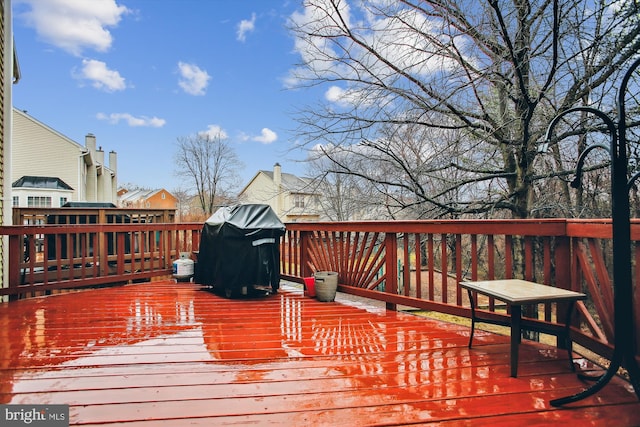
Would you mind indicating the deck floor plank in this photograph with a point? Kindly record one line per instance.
(167, 354)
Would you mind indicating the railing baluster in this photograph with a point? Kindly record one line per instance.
(444, 269)
(418, 263)
(431, 262)
(406, 271)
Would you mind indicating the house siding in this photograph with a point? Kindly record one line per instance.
(262, 190)
(158, 202)
(3, 84)
(148, 199)
(35, 146)
(2, 107)
(39, 150)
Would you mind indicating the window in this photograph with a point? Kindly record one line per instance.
(63, 200)
(298, 201)
(39, 202)
(16, 201)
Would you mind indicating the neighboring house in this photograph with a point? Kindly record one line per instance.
(291, 197)
(40, 192)
(147, 199)
(40, 151)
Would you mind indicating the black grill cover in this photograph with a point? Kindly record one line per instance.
(240, 246)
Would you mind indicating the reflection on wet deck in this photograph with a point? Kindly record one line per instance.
(173, 354)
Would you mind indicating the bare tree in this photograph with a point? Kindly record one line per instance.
(183, 198)
(342, 197)
(130, 186)
(407, 170)
(449, 100)
(210, 166)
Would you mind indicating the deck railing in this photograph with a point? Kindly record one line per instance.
(47, 258)
(403, 263)
(41, 216)
(420, 263)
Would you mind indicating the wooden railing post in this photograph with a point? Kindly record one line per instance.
(564, 272)
(16, 252)
(120, 251)
(17, 216)
(304, 254)
(103, 252)
(391, 266)
(564, 263)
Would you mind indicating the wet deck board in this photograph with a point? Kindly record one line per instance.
(170, 354)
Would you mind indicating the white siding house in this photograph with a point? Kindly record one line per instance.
(40, 192)
(292, 198)
(40, 151)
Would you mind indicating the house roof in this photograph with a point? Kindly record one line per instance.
(89, 205)
(290, 182)
(133, 195)
(46, 182)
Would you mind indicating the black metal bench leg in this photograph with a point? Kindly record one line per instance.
(473, 316)
(516, 335)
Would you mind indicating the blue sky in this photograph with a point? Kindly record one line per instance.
(139, 74)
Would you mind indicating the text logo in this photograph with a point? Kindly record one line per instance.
(34, 415)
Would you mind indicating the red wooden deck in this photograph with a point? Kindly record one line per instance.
(174, 355)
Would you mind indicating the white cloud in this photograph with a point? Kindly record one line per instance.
(142, 121)
(100, 76)
(336, 94)
(348, 97)
(214, 132)
(75, 25)
(267, 136)
(193, 80)
(245, 27)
